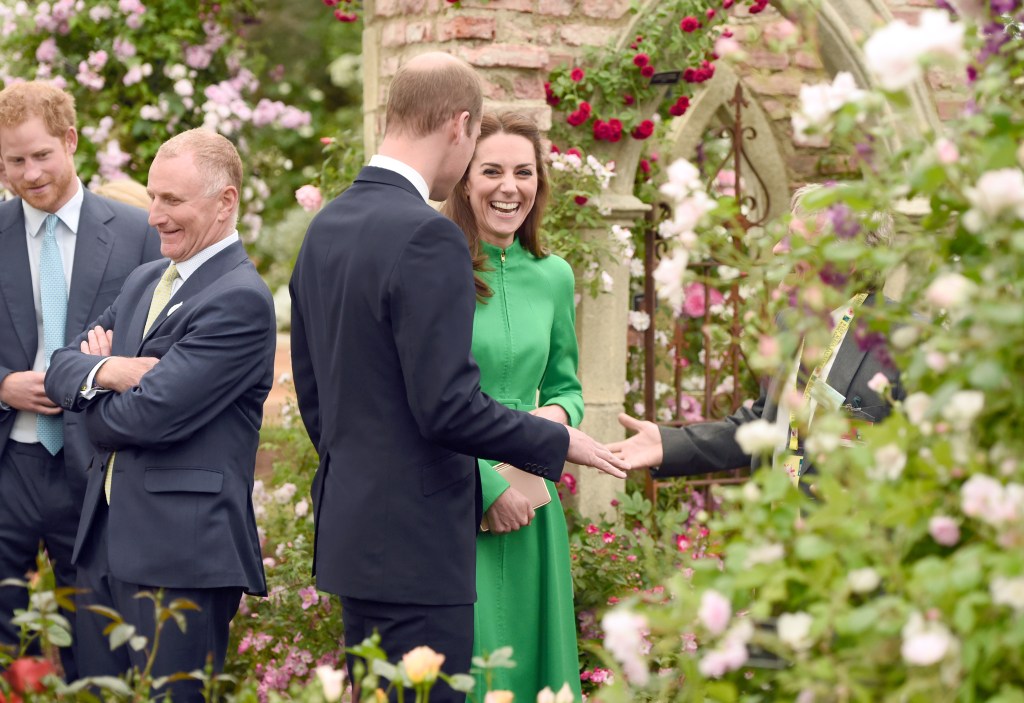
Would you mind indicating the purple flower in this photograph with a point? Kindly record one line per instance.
(844, 222)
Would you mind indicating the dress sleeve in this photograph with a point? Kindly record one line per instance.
(560, 384)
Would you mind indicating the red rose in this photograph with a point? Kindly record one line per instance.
(628, 99)
(585, 108)
(581, 200)
(647, 71)
(726, 4)
(727, 33)
(690, 23)
(25, 674)
(345, 17)
(616, 129)
(601, 130)
(576, 74)
(680, 107)
(710, 13)
(330, 3)
(549, 96)
(758, 6)
(641, 60)
(576, 118)
(645, 166)
(555, 149)
(643, 130)
(639, 38)
(575, 152)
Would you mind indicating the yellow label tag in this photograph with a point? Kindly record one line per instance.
(793, 464)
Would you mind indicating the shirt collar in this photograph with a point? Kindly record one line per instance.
(189, 266)
(69, 214)
(404, 170)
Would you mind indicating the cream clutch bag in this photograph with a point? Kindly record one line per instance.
(532, 486)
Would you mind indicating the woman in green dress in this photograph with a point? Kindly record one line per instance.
(524, 340)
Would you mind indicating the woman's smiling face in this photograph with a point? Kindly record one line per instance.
(502, 186)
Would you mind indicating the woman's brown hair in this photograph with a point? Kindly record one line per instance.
(457, 206)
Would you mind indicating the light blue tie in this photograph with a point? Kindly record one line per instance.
(53, 294)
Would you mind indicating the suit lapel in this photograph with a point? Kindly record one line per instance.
(92, 249)
(16, 281)
(207, 274)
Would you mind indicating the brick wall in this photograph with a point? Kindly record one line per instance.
(515, 43)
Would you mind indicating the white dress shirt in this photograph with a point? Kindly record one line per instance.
(405, 170)
(66, 232)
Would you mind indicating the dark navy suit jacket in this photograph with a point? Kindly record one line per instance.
(382, 323)
(113, 240)
(181, 511)
(707, 447)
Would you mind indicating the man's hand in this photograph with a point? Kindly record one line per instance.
(99, 342)
(511, 511)
(586, 451)
(23, 390)
(121, 373)
(642, 450)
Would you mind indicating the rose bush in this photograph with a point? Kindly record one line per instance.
(902, 578)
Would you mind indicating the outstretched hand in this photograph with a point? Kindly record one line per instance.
(586, 451)
(642, 450)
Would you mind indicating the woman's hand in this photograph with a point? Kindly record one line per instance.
(511, 511)
(555, 413)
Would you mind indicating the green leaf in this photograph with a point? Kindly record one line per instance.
(812, 548)
(121, 634)
(463, 683)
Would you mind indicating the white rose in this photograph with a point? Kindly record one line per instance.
(925, 643)
(863, 580)
(668, 277)
(795, 630)
(890, 461)
(963, 408)
(950, 291)
(1008, 591)
(764, 554)
(997, 192)
(915, 406)
(332, 681)
(759, 437)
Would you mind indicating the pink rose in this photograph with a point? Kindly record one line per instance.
(944, 530)
(309, 198)
(946, 151)
(714, 611)
(693, 303)
(878, 383)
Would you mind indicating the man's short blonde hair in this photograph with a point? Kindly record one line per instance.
(421, 99)
(882, 229)
(215, 156)
(20, 102)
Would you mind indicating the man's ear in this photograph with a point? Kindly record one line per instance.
(228, 203)
(71, 140)
(463, 124)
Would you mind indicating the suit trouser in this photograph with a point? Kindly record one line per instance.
(447, 629)
(39, 502)
(205, 638)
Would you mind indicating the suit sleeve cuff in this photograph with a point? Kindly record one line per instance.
(89, 389)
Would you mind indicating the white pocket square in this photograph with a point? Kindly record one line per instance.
(173, 308)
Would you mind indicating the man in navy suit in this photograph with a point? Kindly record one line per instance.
(382, 320)
(96, 242)
(170, 383)
(709, 447)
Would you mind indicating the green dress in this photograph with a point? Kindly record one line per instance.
(524, 340)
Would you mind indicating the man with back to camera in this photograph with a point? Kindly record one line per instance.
(64, 253)
(382, 318)
(709, 447)
(170, 383)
